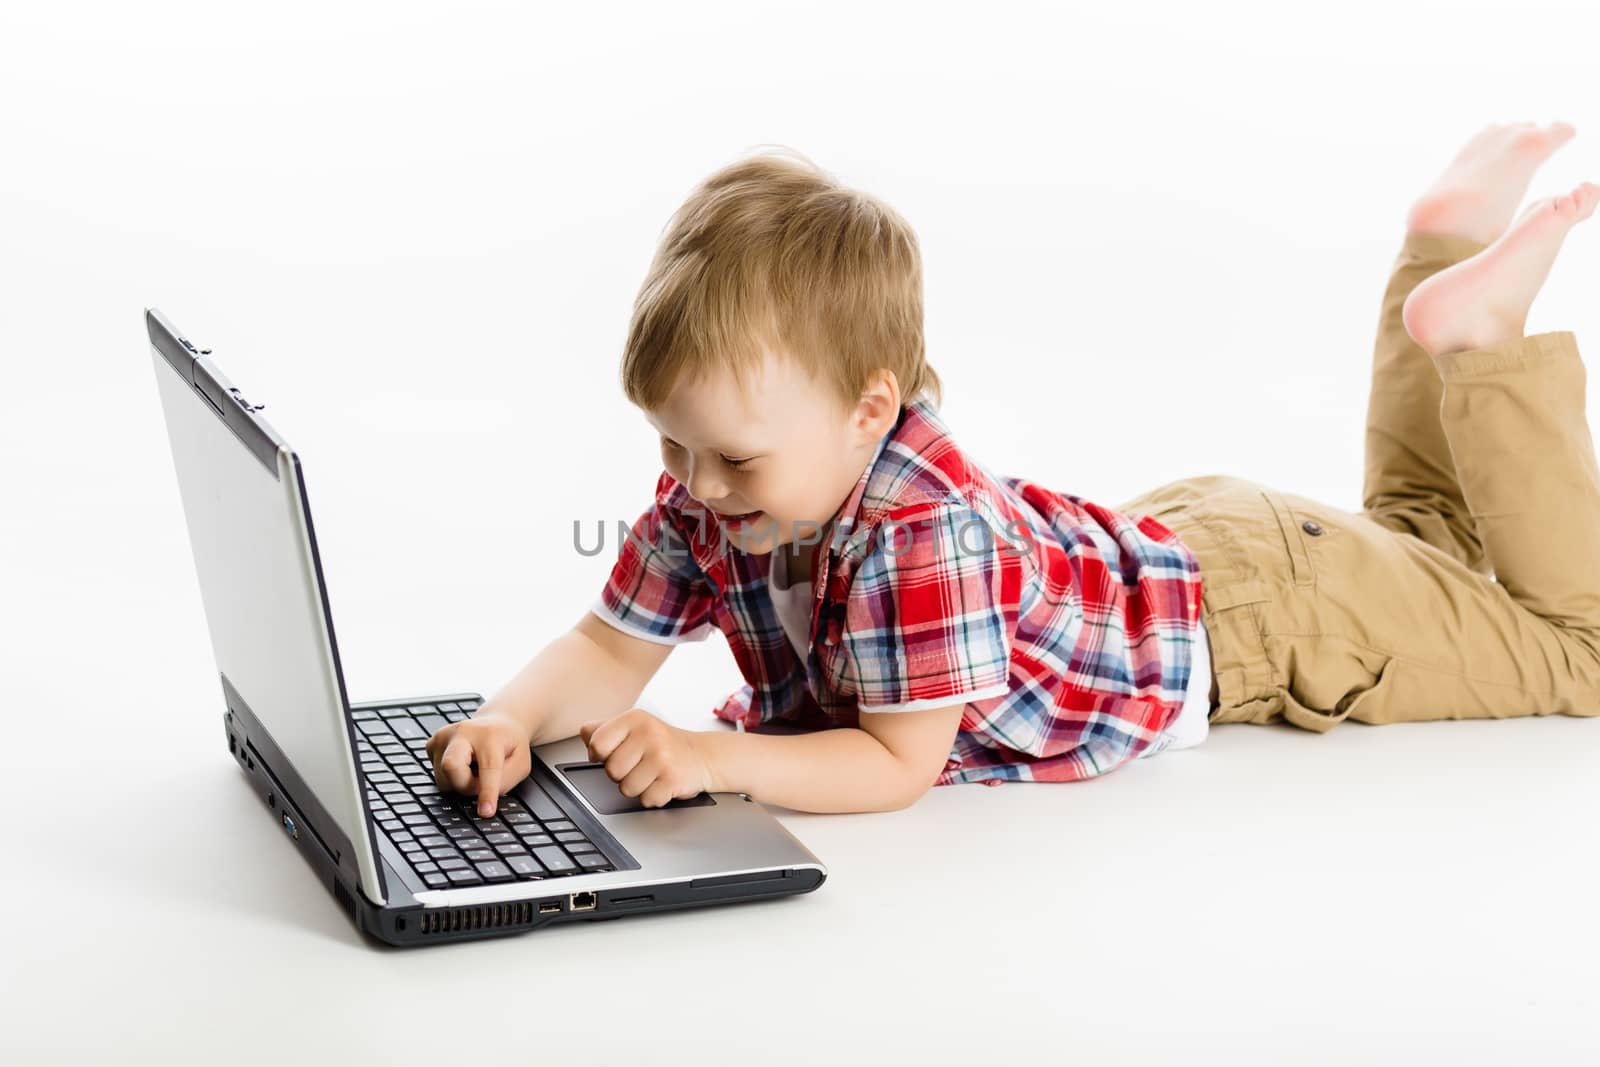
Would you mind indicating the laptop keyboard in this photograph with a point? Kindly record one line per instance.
(441, 833)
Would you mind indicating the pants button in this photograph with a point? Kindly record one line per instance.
(1312, 527)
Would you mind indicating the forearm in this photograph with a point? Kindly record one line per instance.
(571, 681)
(839, 770)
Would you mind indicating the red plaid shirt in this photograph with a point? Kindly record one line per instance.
(1067, 628)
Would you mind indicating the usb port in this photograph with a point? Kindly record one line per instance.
(549, 906)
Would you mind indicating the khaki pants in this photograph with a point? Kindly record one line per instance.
(1467, 588)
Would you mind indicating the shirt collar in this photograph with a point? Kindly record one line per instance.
(849, 516)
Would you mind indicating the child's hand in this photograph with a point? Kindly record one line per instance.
(650, 759)
(499, 744)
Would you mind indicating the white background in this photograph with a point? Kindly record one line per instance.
(1154, 239)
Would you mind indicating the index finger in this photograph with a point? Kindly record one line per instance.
(605, 736)
(490, 760)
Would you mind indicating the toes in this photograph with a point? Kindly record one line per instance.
(1584, 198)
(1576, 205)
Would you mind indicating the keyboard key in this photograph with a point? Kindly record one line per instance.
(462, 833)
(465, 877)
(443, 852)
(559, 824)
(537, 839)
(417, 819)
(516, 818)
(524, 865)
(455, 716)
(468, 705)
(360, 716)
(407, 809)
(373, 727)
(452, 863)
(408, 729)
(390, 713)
(449, 707)
(424, 868)
(591, 859)
(540, 804)
(436, 880)
(421, 709)
(569, 835)
(510, 850)
(500, 838)
(495, 871)
(432, 723)
(554, 859)
(433, 841)
(477, 855)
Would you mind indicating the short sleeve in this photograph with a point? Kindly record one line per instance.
(656, 591)
(926, 623)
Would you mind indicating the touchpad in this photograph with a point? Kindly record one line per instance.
(607, 797)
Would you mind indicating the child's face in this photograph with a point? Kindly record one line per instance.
(796, 452)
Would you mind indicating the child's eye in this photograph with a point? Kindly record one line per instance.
(736, 464)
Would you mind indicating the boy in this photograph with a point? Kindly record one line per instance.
(923, 622)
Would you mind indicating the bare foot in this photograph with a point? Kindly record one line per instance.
(1484, 299)
(1481, 188)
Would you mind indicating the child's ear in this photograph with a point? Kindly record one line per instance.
(879, 404)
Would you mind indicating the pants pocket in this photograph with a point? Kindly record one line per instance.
(1295, 529)
(1322, 720)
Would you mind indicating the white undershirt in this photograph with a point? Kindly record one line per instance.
(793, 605)
(1194, 718)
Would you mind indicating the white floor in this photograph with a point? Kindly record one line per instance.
(1419, 893)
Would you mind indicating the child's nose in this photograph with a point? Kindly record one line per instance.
(704, 485)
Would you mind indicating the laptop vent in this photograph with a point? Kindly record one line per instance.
(481, 917)
(342, 895)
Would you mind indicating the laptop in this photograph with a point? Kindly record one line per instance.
(351, 785)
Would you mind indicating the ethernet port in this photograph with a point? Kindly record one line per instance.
(581, 902)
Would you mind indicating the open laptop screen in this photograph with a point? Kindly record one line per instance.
(259, 582)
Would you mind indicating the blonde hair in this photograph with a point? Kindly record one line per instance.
(772, 249)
